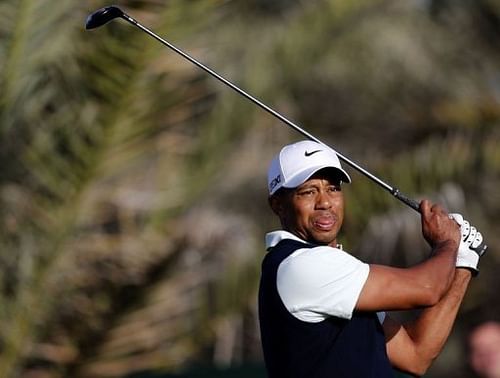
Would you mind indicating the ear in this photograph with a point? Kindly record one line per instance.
(276, 204)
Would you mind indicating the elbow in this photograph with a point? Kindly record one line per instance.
(418, 371)
(422, 368)
(419, 367)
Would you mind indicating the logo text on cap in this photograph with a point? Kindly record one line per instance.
(275, 182)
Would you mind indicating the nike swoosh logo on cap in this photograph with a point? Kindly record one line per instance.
(307, 154)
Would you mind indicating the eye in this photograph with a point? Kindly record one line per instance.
(307, 192)
(334, 188)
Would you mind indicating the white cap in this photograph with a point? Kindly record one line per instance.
(297, 162)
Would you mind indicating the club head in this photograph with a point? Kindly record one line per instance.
(103, 16)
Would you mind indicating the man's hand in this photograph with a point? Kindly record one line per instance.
(468, 251)
(437, 227)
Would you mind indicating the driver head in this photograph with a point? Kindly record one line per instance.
(103, 16)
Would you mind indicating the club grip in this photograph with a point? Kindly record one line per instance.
(406, 200)
(480, 249)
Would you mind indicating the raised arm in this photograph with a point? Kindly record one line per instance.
(412, 347)
(422, 285)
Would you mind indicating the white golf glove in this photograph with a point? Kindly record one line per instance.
(468, 251)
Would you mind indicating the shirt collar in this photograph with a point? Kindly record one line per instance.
(273, 238)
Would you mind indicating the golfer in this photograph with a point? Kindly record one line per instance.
(321, 310)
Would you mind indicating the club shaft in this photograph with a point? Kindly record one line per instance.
(394, 191)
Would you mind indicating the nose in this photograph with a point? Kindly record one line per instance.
(323, 200)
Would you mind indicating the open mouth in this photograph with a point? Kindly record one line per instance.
(324, 222)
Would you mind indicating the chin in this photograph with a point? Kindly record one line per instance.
(322, 239)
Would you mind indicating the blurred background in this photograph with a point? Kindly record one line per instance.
(133, 199)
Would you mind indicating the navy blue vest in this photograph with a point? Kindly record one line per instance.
(332, 348)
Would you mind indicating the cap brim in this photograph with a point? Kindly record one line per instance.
(304, 175)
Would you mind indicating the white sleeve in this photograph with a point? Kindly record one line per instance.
(320, 282)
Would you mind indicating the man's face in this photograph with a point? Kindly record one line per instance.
(484, 344)
(314, 211)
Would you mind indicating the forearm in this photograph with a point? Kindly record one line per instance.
(437, 273)
(431, 329)
(422, 285)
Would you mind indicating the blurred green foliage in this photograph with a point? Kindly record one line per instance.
(132, 187)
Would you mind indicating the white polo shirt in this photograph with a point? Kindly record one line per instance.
(319, 282)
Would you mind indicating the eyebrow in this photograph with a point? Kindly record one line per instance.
(307, 186)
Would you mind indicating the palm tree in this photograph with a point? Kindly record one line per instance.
(80, 112)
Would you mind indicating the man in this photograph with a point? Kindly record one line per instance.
(321, 310)
(484, 349)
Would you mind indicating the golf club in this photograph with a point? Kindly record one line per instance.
(104, 15)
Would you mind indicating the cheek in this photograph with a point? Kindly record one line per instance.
(338, 204)
(300, 211)
(341, 209)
